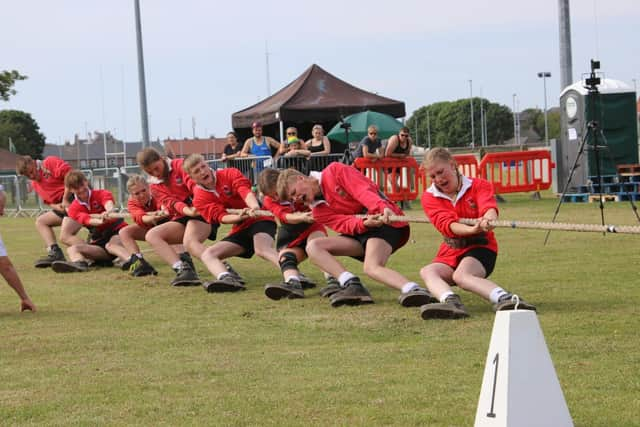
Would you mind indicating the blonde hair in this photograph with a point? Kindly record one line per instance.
(191, 161)
(372, 127)
(22, 164)
(437, 154)
(286, 178)
(74, 179)
(135, 180)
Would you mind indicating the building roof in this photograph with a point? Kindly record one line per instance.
(184, 147)
(95, 150)
(315, 96)
(7, 161)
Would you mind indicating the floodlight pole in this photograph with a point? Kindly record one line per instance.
(543, 75)
(144, 121)
(473, 143)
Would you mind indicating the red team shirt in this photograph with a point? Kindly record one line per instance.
(280, 211)
(346, 192)
(231, 189)
(81, 212)
(138, 210)
(476, 197)
(175, 192)
(49, 182)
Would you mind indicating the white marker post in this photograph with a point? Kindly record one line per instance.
(520, 387)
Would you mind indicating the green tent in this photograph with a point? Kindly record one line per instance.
(387, 126)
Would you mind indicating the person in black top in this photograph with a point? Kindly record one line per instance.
(231, 150)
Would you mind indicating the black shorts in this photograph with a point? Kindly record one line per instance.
(486, 256)
(214, 227)
(288, 233)
(395, 237)
(61, 215)
(101, 238)
(244, 237)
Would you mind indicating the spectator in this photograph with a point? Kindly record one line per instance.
(232, 149)
(399, 146)
(259, 145)
(8, 271)
(293, 147)
(370, 146)
(319, 145)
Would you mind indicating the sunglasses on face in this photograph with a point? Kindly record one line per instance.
(373, 133)
(404, 135)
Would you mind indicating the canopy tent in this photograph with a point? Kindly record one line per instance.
(315, 97)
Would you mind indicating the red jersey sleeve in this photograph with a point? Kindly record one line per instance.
(208, 205)
(79, 213)
(279, 211)
(363, 190)
(58, 167)
(239, 183)
(440, 212)
(346, 224)
(136, 211)
(166, 199)
(485, 196)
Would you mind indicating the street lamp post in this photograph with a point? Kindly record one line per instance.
(473, 142)
(516, 124)
(543, 75)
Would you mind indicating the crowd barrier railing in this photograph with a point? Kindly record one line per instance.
(396, 178)
(518, 171)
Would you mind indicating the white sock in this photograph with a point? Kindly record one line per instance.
(176, 265)
(139, 255)
(344, 277)
(224, 273)
(409, 286)
(496, 293)
(446, 295)
(293, 277)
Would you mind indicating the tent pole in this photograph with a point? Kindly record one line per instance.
(281, 131)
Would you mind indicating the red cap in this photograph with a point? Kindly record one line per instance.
(256, 125)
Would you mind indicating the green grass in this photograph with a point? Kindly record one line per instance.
(106, 348)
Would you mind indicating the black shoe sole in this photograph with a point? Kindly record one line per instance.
(213, 287)
(439, 311)
(42, 264)
(416, 300)
(185, 283)
(276, 292)
(63, 267)
(351, 300)
(145, 273)
(324, 292)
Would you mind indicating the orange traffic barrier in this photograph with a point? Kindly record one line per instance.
(517, 171)
(396, 178)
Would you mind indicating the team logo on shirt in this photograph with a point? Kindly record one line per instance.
(472, 204)
(178, 180)
(340, 192)
(227, 191)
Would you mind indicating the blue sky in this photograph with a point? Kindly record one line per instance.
(207, 60)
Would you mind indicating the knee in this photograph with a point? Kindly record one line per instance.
(313, 247)
(370, 269)
(461, 279)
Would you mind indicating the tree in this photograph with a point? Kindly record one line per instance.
(24, 133)
(450, 123)
(553, 123)
(7, 80)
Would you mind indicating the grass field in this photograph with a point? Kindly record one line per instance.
(106, 348)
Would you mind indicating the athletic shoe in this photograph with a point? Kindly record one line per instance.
(233, 272)
(332, 287)
(227, 284)
(185, 276)
(291, 289)
(186, 257)
(142, 268)
(416, 298)
(451, 308)
(305, 282)
(70, 266)
(505, 303)
(54, 254)
(354, 293)
(126, 266)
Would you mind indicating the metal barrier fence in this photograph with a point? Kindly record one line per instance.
(23, 201)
